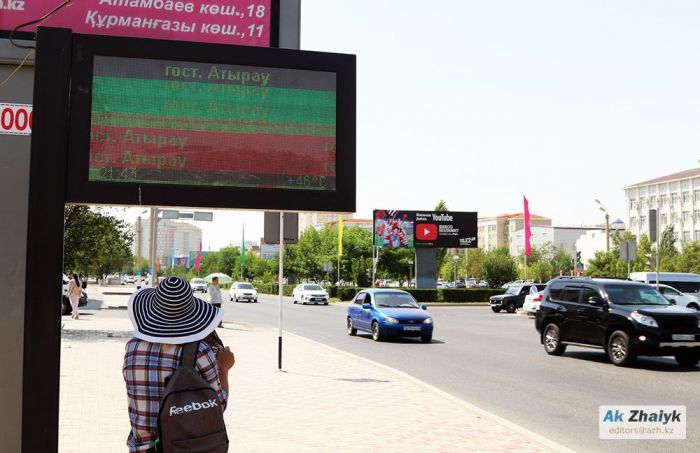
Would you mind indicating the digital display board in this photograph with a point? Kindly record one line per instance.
(405, 229)
(188, 123)
(240, 22)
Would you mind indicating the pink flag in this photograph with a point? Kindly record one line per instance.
(198, 261)
(528, 233)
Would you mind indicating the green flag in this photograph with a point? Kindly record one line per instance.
(243, 257)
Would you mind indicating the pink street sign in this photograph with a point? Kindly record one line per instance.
(241, 22)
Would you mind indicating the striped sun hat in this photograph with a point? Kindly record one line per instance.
(170, 313)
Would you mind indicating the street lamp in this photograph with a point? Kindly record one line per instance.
(607, 224)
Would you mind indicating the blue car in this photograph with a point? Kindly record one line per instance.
(389, 313)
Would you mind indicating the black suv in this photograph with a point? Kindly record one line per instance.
(514, 297)
(625, 318)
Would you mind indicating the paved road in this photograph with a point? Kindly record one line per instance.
(496, 362)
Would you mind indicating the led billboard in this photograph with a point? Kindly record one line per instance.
(430, 229)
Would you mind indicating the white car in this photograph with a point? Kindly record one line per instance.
(198, 285)
(243, 291)
(679, 298)
(532, 302)
(310, 293)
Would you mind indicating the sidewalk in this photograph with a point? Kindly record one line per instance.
(327, 400)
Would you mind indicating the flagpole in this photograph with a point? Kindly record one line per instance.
(280, 284)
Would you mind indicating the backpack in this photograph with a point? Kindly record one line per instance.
(191, 418)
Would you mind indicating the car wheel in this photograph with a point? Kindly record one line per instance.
(496, 309)
(426, 338)
(325, 303)
(511, 307)
(65, 307)
(295, 300)
(693, 306)
(351, 330)
(552, 340)
(688, 359)
(376, 331)
(620, 349)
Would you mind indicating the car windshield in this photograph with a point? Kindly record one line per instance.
(635, 295)
(513, 289)
(395, 300)
(197, 281)
(245, 286)
(312, 288)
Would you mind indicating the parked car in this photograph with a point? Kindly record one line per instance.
(459, 284)
(626, 319)
(678, 298)
(532, 302)
(514, 297)
(389, 313)
(482, 284)
(243, 291)
(310, 293)
(66, 308)
(198, 285)
(472, 282)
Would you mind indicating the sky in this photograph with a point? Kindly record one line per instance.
(480, 103)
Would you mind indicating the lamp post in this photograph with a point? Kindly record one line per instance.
(410, 272)
(607, 224)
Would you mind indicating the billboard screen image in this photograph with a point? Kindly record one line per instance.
(393, 229)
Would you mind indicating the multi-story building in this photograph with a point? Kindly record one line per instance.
(494, 232)
(175, 240)
(565, 237)
(318, 219)
(677, 198)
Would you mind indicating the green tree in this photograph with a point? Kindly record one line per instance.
(499, 267)
(689, 258)
(95, 243)
(607, 264)
(475, 262)
(441, 206)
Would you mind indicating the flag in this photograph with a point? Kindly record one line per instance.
(198, 261)
(243, 257)
(340, 235)
(528, 233)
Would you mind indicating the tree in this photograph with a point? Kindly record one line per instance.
(689, 258)
(499, 267)
(607, 264)
(475, 262)
(95, 243)
(441, 206)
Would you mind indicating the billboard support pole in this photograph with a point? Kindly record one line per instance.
(280, 284)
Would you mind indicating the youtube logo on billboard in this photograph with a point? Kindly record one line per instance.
(426, 232)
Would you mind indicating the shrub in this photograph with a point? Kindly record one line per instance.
(468, 295)
(424, 295)
(346, 293)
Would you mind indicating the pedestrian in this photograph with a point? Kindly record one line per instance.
(74, 295)
(215, 295)
(165, 318)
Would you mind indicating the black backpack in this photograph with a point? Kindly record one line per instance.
(191, 418)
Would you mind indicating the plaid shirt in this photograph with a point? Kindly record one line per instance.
(146, 365)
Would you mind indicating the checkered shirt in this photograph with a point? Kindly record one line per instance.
(146, 365)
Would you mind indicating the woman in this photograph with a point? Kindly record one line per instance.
(74, 294)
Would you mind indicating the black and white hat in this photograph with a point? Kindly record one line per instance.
(169, 313)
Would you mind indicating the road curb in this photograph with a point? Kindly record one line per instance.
(547, 443)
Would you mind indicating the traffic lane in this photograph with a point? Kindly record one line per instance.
(513, 374)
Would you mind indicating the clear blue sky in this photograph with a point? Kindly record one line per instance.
(481, 102)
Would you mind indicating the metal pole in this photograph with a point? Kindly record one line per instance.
(139, 240)
(607, 231)
(658, 249)
(154, 226)
(281, 294)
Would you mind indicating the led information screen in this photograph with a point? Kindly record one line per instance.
(406, 229)
(204, 124)
(241, 22)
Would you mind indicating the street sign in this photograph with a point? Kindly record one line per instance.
(628, 250)
(327, 267)
(272, 228)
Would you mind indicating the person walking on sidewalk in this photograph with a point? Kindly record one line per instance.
(165, 318)
(74, 295)
(215, 295)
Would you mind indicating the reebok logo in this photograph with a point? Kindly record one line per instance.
(193, 406)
